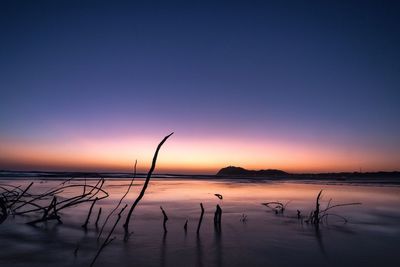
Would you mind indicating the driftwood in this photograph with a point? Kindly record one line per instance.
(95, 190)
(153, 165)
(276, 206)
(219, 196)
(50, 213)
(217, 218)
(201, 218)
(20, 195)
(108, 239)
(120, 201)
(90, 213)
(73, 201)
(165, 220)
(316, 216)
(3, 209)
(58, 218)
(17, 201)
(98, 218)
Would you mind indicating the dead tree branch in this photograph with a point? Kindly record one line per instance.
(119, 203)
(98, 218)
(201, 218)
(108, 239)
(165, 220)
(153, 165)
(89, 213)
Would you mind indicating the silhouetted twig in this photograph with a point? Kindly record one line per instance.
(20, 195)
(3, 209)
(98, 217)
(153, 165)
(52, 210)
(58, 218)
(279, 207)
(89, 213)
(219, 196)
(70, 202)
(218, 217)
(120, 201)
(165, 219)
(317, 215)
(315, 218)
(107, 241)
(201, 218)
(341, 205)
(48, 216)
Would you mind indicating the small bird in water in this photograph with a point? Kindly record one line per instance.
(218, 196)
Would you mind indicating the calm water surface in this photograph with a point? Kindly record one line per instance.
(371, 237)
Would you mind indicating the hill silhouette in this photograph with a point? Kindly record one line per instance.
(239, 171)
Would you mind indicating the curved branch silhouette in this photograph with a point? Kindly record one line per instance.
(153, 165)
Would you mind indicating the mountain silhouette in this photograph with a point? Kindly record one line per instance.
(239, 171)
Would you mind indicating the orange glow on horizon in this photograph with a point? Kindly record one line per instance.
(187, 155)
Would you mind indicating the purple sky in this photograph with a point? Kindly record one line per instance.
(299, 85)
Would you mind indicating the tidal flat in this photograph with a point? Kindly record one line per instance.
(251, 234)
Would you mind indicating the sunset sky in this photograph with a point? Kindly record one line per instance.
(301, 86)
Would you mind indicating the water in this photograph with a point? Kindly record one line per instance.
(371, 237)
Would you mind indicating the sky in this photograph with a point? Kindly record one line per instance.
(302, 86)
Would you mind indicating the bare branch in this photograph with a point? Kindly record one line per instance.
(107, 241)
(153, 165)
(201, 218)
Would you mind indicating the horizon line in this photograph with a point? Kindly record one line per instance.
(183, 174)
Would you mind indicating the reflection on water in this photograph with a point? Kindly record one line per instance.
(369, 238)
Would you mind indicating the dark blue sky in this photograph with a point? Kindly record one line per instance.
(325, 72)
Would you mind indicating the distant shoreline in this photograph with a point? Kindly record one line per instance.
(331, 175)
(371, 178)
